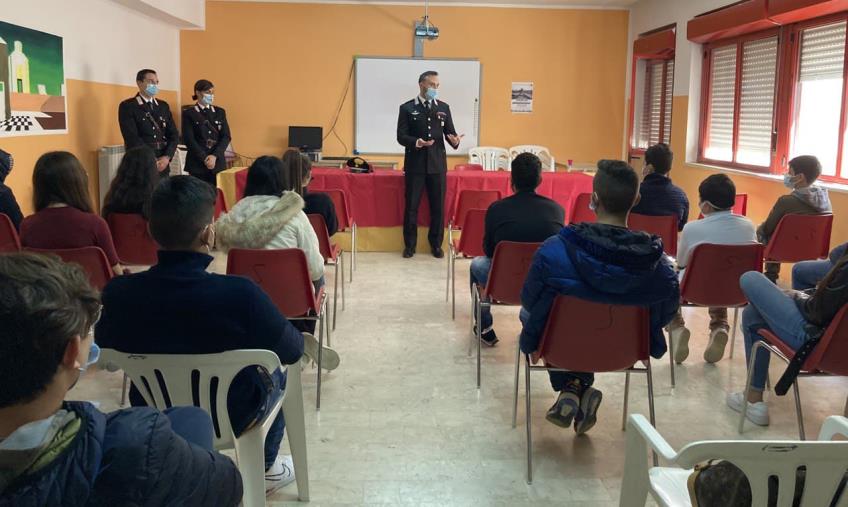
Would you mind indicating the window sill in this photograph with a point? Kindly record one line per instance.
(829, 185)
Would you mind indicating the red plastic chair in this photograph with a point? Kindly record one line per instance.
(91, 258)
(580, 211)
(333, 256)
(510, 265)
(592, 337)
(469, 244)
(346, 221)
(800, 238)
(220, 203)
(467, 200)
(663, 226)
(829, 357)
(9, 240)
(712, 277)
(468, 167)
(132, 239)
(284, 275)
(740, 206)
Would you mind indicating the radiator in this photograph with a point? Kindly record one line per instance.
(109, 158)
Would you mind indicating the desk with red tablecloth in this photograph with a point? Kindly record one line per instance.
(377, 199)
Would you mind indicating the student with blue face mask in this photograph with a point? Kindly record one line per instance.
(146, 119)
(206, 134)
(57, 452)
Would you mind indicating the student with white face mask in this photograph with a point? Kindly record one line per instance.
(206, 134)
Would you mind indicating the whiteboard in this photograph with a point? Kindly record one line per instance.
(383, 84)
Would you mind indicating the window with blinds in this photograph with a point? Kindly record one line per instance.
(669, 94)
(722, 106)
(818, 94)
(756, 102)
(653, 115)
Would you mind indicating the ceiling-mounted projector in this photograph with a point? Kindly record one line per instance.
(425, 29)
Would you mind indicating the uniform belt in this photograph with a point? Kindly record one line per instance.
(157, 145)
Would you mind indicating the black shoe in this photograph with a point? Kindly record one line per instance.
(588, 413)
(408, 252)
(438, 252)
(489, 337)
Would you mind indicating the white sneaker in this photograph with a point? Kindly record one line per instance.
(715, 348)
(280, 474)
(757, 413)
(679, 337)
(329, 359)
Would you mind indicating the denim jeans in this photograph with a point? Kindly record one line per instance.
(480, 267)
(249, 408)
(193, 424)
(769, 308)
(806, 274)
(560, 379)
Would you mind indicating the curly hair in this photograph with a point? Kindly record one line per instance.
(134, 182)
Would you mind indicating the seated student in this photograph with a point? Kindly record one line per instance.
(807, 274)
(524, 216)
(806, 198)
(719, 226)
(8, 203)
(791, 315)
(603, 262)
(55, 452)
(133, 185)
(270, 215)
(176, 307)
(63, 213)
(317, 203)
(661, 197)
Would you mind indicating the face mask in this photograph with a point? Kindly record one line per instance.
(93, 357)
(593, 206)
(431, 93)
(152, 89)
(788, 181)
(208, 98)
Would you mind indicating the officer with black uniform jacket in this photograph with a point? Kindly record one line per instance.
(424, 124)
(144, 119)
(206, 134)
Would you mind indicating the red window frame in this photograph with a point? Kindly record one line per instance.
(665, 103)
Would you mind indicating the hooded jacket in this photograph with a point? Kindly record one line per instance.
(604, 264)
(812, 200)
(268, 221)
(130, 457)
(8, 203)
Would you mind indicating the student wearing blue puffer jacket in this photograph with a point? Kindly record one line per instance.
(55, 452)
(603, 262)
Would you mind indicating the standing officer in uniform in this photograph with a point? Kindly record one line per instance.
(206, 134)
(146, 120)
(423, 126)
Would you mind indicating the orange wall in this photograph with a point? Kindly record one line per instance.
(93, 122)
(281, 64)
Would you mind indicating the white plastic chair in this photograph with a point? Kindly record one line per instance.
(161, 377)
(491, 158)
(543, 153)
(825, 461)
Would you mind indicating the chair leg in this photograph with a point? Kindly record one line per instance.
(250, 455)
(651, 402)
(296, 429)
(798, 411)
(475, 311)
(453, 286)
(744, 412)
(515, 393)
(448, 270)
(335, 293)
(352, 251)
(342, 265)
(626, 398)
(124, 391)
(479, 339)
(671, 359)
(733, 333)
(321, 331)
(527, 421)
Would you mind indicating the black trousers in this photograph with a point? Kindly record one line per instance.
(435, 185)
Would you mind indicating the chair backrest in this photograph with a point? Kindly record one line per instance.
(91, 258)
(471, 240)
(663, 226)
(509, 270)
(200, 380)
(713, 271)
(831, 353)
(472, 199)
(594, 337)
(490, 157)
(132, 239)
(320, 228)
(740, 206)
(468, 167)
(341, 203)
(800, 238)
(580, 211)
(9, 240)
(283, 274)
(542, 152)
(220, 203)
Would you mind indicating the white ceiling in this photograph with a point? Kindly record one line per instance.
(586, 4)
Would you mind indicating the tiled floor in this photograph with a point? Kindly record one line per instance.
(403, 423)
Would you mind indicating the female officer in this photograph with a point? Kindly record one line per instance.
(206, 134)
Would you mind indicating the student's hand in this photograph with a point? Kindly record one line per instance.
(210, 161)
(162, 163)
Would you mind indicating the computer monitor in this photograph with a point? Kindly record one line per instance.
(306, 138)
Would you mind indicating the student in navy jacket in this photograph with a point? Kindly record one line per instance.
(603, 262)
(8, 203)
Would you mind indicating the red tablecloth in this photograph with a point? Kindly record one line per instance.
(376, 199)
